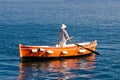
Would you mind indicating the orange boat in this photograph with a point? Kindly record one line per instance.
(52, 52)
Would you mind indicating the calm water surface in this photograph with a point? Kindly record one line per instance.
(37, 22)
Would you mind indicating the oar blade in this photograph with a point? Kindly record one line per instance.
(94, 52)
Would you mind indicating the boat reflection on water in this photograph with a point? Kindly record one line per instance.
(57, 69)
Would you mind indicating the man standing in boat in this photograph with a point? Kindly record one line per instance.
(64, 37)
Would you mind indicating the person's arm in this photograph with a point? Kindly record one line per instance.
(66, 35)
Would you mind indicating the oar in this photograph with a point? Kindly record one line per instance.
(86, 48)
(70, 38)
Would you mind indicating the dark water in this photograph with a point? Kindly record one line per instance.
(37, 22)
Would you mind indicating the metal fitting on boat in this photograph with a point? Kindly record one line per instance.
(49, 51)
(64, 52)
(42, 49)
(34, 50)
(82, 50)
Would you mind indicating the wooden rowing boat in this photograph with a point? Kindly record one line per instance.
(52, 52)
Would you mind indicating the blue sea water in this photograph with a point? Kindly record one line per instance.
(37, 22)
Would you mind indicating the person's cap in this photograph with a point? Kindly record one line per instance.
(63, 26)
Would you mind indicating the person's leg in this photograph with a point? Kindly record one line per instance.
(62, 43)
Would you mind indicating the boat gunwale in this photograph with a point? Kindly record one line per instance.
(86, 44)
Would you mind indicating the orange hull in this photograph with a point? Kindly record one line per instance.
(44, 52)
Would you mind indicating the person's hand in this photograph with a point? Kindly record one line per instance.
(68, 40)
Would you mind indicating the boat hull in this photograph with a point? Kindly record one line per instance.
(53, 52)
(35, 59)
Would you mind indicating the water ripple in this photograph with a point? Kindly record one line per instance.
(58, 69)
